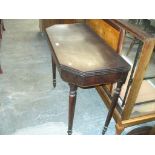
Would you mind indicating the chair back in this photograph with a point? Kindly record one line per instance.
(109, 31)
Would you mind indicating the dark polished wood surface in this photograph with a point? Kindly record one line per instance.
(84, 60)
(80, 52)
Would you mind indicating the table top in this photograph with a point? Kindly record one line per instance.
(76, 46)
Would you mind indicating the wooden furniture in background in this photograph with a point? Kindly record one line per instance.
(1, 28)
(84, 59)
(1, 31)
(126, 116)
(111, 33)
(144, 24)
(44, 23)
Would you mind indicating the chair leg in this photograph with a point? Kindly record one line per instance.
(113, 105)
(54, 72)
(139, 46)
(3, 28)
(72, 102)
(119, 129)
(131, 46)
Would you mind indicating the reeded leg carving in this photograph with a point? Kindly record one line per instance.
(113, 105)
(72, 102)
(0, 70)
(3, 26)
(54, 72)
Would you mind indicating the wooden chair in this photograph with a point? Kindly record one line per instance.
(143, 24)
(125, 116)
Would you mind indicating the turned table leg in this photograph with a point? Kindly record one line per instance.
(72, 102)
(54, 72)
(113, 105)
(0, 70)
(3, 27)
